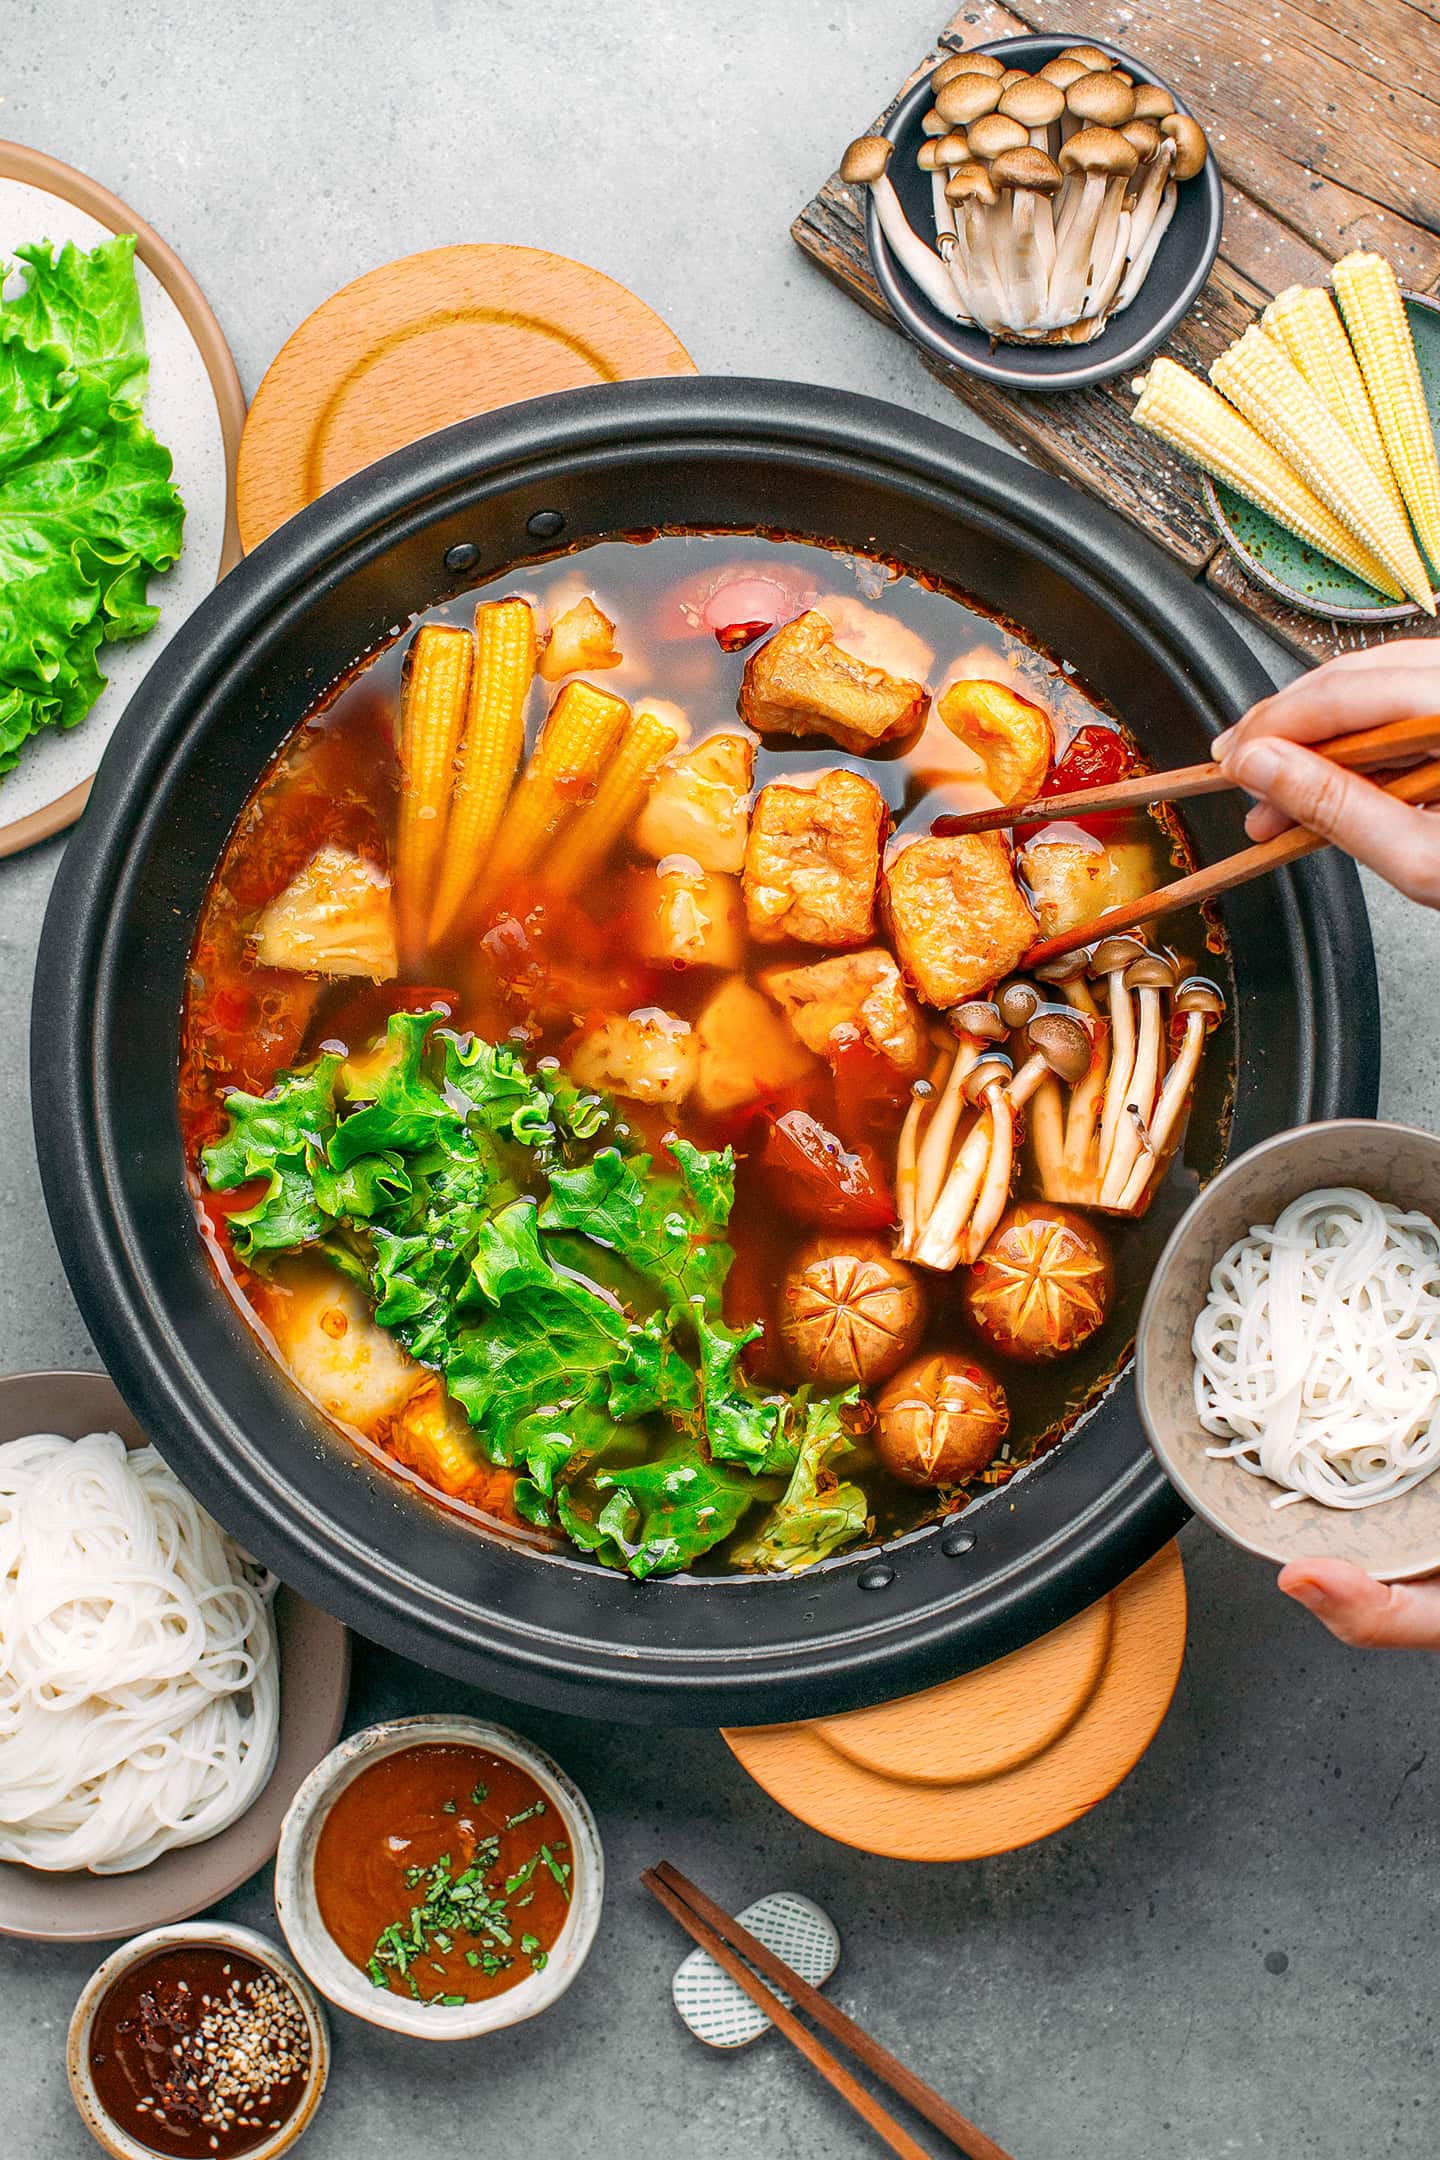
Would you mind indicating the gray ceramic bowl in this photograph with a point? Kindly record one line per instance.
(105, 2131)
(1398, 1538)
(321, 1956)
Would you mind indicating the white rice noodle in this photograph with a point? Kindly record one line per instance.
(139, 1679)
(1317, 1352)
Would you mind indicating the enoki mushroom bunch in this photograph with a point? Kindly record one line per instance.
(1104, 1077)
(1051, 192)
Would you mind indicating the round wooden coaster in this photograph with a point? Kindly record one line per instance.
(425, 341)
(1000, 1757)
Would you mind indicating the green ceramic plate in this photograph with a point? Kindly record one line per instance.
(1275, 558)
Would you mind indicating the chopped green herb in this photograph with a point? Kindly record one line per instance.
(472, 1957)
(451, 1807)
(451, 2002)
(560, 1869)
(479, 1794)
(513, 1822)
(522, 1875)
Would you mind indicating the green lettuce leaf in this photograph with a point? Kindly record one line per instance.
(817, 1514)
(87, 511)
(281, 1137)
(662, 1514)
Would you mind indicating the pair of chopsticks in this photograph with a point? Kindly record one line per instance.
(1365, 750)
(735, 1950)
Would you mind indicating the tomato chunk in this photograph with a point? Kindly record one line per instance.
(809, 1172)
(1096, 756)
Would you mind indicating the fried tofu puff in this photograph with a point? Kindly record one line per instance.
(958, 918)
(800, 682)
(853, 997)
(812, 861)
(1010, 735)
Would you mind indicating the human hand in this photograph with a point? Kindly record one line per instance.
(1362, 1612)
(1265, 755)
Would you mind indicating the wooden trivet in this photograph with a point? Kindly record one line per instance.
(1325, 116)
(425, 341)
(1000, 1757)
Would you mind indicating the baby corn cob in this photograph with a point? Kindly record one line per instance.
(585, 844)
(494, 739)
(1194, 419)
(1374, 311)
(1258, 379)
(1303, 320)
(432, 712)
(580, 731)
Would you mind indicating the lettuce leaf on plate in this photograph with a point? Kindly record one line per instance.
(87, 511)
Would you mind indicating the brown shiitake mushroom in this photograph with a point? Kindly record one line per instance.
(1042, 1285)
(940, 1421)
(849, 1311)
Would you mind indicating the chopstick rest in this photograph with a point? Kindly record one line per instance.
(794, 1928)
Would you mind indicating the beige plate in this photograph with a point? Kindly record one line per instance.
(314, 1679)
(197, 410)
(1399, 1538)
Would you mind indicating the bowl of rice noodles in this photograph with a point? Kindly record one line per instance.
(1288, 1358)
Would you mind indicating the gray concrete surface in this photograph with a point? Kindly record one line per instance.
(1234, 1955)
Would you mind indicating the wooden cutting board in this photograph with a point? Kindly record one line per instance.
(1325, 116)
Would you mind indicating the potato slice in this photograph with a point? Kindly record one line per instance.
(747, 1051)
(687, 917)
(649, 1056)
(1072, 880)
(699, 804)
(331, 1346)
(335, 917)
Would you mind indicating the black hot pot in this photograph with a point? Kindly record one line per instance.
(443, 515)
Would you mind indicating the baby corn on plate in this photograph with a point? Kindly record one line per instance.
(1306, 324)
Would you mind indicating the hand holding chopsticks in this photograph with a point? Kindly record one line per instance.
(736, 1951)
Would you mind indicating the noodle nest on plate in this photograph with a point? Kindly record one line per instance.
(1317, 1352)
(139, 1675)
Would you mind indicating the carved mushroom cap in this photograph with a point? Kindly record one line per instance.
(1063, 1040)
(1191, 148)
(940, 1421)
(866, 159)
(1042, 1285)
(967, 98)
(849, 1311)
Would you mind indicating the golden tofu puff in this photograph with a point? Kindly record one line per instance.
(335, 917)
(350, 1368)
(1010, 734)
(699, 803)
(648, 1056)
(958, 918)
(801, 682)
(876, 638)
(747, 1050)
(812, 860)
(853, 997)
(687, 917)
(1073, 877)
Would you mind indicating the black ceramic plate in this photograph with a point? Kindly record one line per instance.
(1181, 266)
(710, 452)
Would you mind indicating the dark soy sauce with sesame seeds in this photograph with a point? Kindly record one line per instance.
(444, 1874)
(199, 2050)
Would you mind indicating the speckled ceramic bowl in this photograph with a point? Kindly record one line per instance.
(1398, 1538)
(107, 2132)
(321, 1956)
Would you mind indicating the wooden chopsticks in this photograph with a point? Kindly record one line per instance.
(1420, 785)
(1363, 750)
(731, 1945)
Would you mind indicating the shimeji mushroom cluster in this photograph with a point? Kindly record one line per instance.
(1101, 1049)
(1051, 192)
